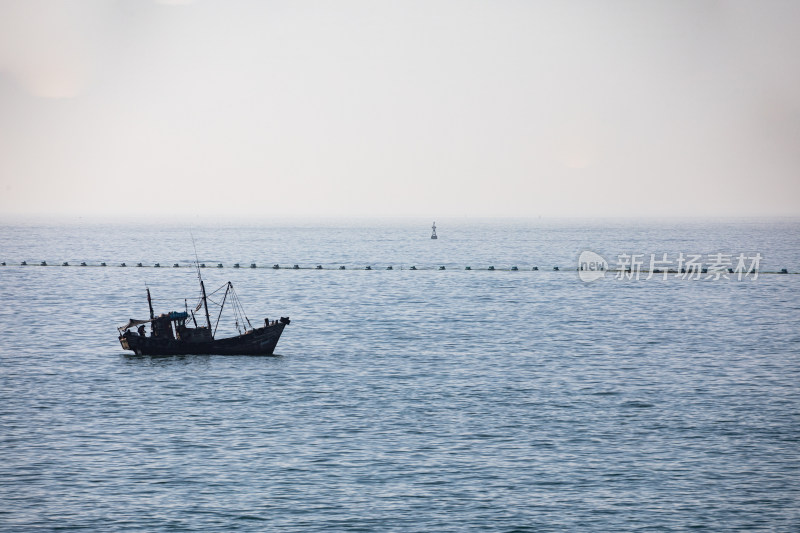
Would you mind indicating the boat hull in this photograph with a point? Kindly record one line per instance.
(261, 341)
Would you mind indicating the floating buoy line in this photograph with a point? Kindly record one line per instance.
(489, 268)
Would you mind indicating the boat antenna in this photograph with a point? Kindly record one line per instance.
(196, 259)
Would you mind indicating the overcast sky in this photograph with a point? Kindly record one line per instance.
(419, 108)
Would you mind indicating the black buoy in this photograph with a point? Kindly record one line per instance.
(468, 268)
(319, 267)
(219, 265)
(43, 263)
(514, 268)
(784, 271)
(236, 265)
(555, 268)
(441, 267)
(535, 268)
(413, 267)
(367, 267)
(157, 265)
(176, 265)
(389, 267)
(491, 267)
(64, 264)
(138, 264)
(102, 264)
(202, 265)
(341, 267)
(123, 265)
(276, 266)
(296, 267)
(252, 265)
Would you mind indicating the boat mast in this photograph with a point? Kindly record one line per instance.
(202, 286)
(150, 304)
(205, 304)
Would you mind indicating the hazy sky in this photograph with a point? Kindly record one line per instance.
(420, 108)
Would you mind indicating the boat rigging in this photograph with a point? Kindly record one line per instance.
(169, 334)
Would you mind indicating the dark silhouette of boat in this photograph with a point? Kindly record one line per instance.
(169, 334)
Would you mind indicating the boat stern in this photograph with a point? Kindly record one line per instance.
(131, 342)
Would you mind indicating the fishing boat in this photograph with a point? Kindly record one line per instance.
(170, 335)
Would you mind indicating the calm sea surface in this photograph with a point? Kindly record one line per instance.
(403, 400)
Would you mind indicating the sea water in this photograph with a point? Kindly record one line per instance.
(403, 400)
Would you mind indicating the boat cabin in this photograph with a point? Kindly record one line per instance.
(170, 325)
